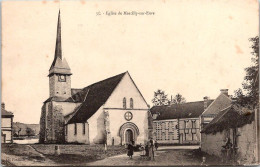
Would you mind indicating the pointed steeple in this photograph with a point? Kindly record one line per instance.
(58, 65)
(58, 50)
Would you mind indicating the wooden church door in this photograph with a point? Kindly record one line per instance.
(129, 136)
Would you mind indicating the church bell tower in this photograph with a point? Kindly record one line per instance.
(59, 72)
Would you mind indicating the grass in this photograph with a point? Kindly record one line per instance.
(21, 150)
(70, 154)
(77, 154)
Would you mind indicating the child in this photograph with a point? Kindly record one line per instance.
(156, 145)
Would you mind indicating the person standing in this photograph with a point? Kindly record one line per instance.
(156, 145)
(130, 151)
(151, 149)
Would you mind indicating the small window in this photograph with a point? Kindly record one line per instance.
(66, 130)
(75, 129)
(186, 123)
(62, 78)
(83, 128)
(124, 103)
(131, 103)
(193, 123)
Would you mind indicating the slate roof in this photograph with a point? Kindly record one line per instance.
(220, 103)
(6, 113)
(230, 117)
(74, 91)
(175, 111)
(93, 97)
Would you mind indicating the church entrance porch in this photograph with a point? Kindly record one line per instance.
(129, 136)
(128, 132)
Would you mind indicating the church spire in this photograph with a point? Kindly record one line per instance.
(58, 50)
(59, 65)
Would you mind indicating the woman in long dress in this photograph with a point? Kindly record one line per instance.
(130, 151)
(150, 146)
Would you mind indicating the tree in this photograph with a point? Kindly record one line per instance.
(29, 132)
(251, 80)
(160, 98)
(178, 99)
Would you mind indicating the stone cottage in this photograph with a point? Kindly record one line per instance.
(111, 111)
(239, 125)
(178, 123)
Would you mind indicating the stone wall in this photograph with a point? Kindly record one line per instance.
(51, 124)
(57, 88)
(246, 143)
(42, 124)
(212, 144)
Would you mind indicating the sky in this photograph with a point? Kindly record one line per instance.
(191, 47)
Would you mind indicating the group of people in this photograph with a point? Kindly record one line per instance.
(147, 150)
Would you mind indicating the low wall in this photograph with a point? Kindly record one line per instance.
(212, 144)
(246, 143)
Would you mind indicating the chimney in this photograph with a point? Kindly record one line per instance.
(224, 91)
(3, 105)
(205, 102)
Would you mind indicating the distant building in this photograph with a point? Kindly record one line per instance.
(239, 125)
(6, 125)
(111, 111)
(178, 123)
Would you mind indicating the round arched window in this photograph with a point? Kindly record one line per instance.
(128, 116)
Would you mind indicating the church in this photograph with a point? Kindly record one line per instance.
(111, 111)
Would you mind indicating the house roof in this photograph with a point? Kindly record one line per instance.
(220, 103)
(6, 113)
(230, 117)
(93, 97)
(175, 111)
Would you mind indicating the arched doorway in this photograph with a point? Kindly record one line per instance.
(129, 136)
(128, 132)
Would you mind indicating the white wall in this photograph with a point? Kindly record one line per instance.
(8, 137)
(126, 88)
(6, 122)
(79, 137)
(114, 105)
(97, 127)
(117, 119)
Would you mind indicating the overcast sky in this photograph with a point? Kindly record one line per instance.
(192, 47)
